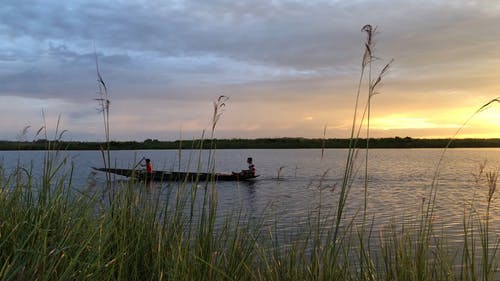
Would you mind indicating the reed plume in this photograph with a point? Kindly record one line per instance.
(104, 105)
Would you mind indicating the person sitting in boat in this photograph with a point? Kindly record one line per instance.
(251, 169)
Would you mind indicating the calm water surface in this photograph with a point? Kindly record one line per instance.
(294, 182)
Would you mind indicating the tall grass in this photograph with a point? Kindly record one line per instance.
(104, 102)
(51, 231)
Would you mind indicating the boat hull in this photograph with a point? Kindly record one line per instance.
(177, 176)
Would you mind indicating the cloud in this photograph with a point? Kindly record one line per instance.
(288, 54)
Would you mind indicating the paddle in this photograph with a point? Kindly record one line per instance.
(140, 161)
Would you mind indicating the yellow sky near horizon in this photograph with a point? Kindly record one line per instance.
(472, 124)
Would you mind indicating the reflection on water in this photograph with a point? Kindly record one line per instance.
(294, 182)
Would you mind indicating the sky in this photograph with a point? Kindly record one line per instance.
(290, 68)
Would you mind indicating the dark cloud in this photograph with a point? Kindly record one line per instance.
(293, 33)
(301, 36)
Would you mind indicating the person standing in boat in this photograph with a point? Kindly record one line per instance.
(149, 170)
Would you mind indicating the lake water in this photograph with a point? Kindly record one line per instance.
(293, 182)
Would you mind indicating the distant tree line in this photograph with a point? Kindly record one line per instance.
(259, 143)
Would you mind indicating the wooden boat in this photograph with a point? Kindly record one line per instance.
(178, 176)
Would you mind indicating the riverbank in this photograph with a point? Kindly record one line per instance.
(260, 143)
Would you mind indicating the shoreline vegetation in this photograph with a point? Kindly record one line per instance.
(259, 143)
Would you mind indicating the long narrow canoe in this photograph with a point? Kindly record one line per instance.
(177, 176)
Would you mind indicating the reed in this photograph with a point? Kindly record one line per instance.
(104, 102)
